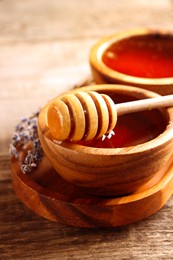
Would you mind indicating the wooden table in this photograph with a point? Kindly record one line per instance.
(44, 48)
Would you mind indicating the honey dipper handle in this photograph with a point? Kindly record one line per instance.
(144, 104)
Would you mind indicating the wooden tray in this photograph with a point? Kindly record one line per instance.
(44, 192)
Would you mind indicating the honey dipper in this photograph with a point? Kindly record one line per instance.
(88, 115)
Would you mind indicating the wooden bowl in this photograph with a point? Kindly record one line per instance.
(109, 171)
(51, 197)
(103, 74)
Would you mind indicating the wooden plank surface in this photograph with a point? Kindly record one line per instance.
(44, 48)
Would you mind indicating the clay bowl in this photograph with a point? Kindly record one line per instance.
(110, 171)
(158, 39)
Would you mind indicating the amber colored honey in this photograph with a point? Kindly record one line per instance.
(142, 56)
(132, 129)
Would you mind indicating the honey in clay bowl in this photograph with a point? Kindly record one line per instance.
(141, 57)
(118, 165)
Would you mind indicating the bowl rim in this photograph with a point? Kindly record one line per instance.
(98, 49)
(158, 141)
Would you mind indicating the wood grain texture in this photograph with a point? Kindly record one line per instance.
(44, 48)
(49, 196)
(107, 171)
(105, 74)
(41, 21)
(101, 106)
(41, 42)
(24, 235)
(39, 73)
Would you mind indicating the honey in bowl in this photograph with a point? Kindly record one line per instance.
(112, 172)
(131, 129)
(145, 56)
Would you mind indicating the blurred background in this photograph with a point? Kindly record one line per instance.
(44, 51)
(44, 46)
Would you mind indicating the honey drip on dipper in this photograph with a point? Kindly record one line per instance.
(89, 115)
